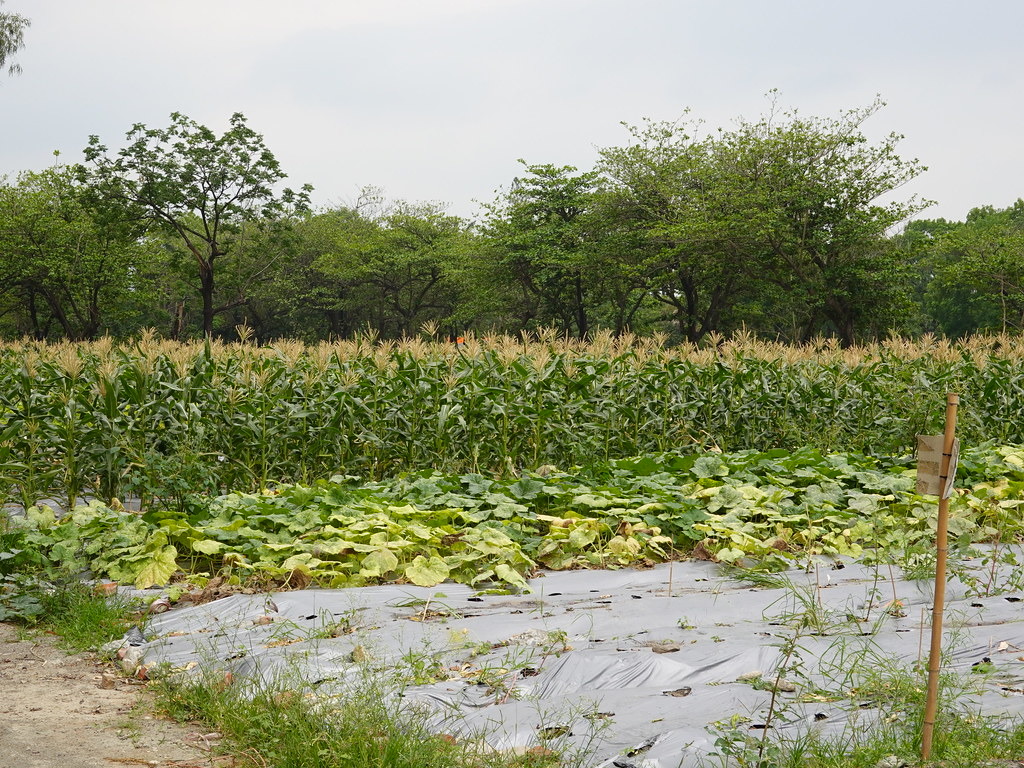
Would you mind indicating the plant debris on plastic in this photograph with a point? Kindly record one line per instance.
(580, 658)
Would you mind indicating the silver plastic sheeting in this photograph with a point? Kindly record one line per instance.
(611, 660)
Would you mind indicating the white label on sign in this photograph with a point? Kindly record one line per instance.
(929, 466)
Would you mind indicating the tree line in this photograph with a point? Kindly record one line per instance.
(786, 226)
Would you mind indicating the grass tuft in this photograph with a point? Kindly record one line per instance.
(371, 726)
(84, 620)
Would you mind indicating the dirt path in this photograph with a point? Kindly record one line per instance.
(55, 714)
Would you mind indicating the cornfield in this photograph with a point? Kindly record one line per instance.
(157, 419)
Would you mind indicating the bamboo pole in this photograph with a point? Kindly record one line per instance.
(941, 548)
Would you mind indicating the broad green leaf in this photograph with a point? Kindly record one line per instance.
(508, 509)
(157, 569)
(426, 572)
(709, 466)
(592, 501)
(526, 488)
(490, 541)
(304, 520)
(476, 485)
(582, 536)
(277, 547)
(207, 546)
(508, 574)
(379, 562)
(334, 547)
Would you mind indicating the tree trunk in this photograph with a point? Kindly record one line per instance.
(206, 292)
(582, 323)
(57, 311)
(33, 312)
(178, 322)
(841, 316)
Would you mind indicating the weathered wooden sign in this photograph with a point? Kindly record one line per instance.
(929, 466)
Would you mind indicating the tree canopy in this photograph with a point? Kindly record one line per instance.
(976, 270)
(540, 233)
(63, 264)
(12, 39)
(197, 186)
(785, 226)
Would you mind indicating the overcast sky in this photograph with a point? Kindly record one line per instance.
(436, 99)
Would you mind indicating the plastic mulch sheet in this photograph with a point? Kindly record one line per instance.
(611, 661)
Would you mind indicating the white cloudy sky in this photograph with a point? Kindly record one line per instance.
(436, 99)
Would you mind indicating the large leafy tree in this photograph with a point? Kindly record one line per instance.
(390, 265)
(778, 221)
(12, 38)
(823, 199)
(202, 188)
(917, 242)
(685, 224)
(541, 235)
(977, 272)
(65, 267)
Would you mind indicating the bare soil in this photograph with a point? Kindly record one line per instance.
(73, 711)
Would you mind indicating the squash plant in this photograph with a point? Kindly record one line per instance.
(764, 508)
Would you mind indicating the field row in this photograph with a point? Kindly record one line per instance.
(767, 508)
(162, 421)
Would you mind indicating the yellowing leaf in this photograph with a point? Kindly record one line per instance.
(41, 516)
(378, 563)
(304, 562)
(427, 572)
(624, 548)
(489, 541)
(157, 569)
(730, 555)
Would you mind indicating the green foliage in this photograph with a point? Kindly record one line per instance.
(345, 533)
(753, 508)
(111, 542)
(196, 186)
(541, 232)
(16, 551)
(824, 194)
(776, 224)
(12, 38)
(21, 585)
(168, 422)
(779, 226)
(282, 723)
(692, 245)
(39, 591)
(978, 280)
(19, 598)
(384, 266)
(66, 268)
(83, 619)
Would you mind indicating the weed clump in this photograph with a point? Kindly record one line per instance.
(281, 723)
